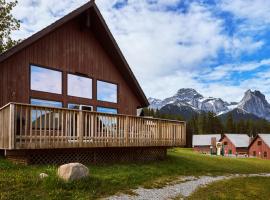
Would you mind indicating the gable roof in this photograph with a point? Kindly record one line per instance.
(105, 37)
(265, 137)
(204, 140)
(239, 140)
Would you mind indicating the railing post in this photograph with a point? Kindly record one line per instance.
(80, 128)
(11, 127)
(126, 130)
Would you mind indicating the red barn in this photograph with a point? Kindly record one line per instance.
(204, 143)
(260, 146)
(235, 144)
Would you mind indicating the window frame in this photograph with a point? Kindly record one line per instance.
(48, 68)
(110, 82)
(84, 76)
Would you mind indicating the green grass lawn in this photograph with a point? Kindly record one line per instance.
(22, 182)
(250, 188)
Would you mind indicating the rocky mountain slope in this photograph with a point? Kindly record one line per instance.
(188, 101)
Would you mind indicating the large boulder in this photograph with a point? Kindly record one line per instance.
(72, 171)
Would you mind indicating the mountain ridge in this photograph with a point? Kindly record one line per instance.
(188, 101)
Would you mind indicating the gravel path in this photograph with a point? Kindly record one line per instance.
(188, 185)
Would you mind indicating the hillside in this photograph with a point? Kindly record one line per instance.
(17, 180)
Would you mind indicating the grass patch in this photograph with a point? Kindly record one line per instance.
(236, 188)
(22, 182)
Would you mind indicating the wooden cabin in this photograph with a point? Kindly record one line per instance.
(205, 143)
(235, 144)
(260, 146)
(68, 94)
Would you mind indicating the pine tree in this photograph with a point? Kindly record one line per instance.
(230, 124)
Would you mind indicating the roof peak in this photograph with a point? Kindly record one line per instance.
(108, 39)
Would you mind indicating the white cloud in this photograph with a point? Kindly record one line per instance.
(256, 10)
(224, 71)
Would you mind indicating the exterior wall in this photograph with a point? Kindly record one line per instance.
(259, 149)
(229, 148)
(242, 150)
(202, 149)
(70, 49)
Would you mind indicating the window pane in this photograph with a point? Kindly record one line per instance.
(40, 117)
(73, 106)
(46, 80)
(40, 102)
(80, 107)
(107, 110)
(79, 86)
(106, 91)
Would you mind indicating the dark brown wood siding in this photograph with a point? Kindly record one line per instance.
(71, 49)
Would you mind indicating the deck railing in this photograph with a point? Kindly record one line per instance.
(24, 126)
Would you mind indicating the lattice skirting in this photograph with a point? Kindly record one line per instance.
(87, 156)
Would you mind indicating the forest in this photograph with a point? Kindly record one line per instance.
(209, 123)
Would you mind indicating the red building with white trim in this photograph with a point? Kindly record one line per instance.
(260, 146)
(235, 144)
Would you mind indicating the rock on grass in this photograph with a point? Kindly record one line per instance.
(72, 171)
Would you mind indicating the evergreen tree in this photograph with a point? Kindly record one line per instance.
(230, 124)
(7, 24)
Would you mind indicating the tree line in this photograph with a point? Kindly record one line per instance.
(209, 123)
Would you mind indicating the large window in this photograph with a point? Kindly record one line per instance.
(106, 91)
(107, 110)
(79, 86)
(42, 118)
(40, 102)
(46, 80)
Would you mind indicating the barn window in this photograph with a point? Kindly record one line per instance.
(265, 154)
(79, 86)
(46, 80)
(254, 153)
(225, 143)
(259, 143)
(106, 91)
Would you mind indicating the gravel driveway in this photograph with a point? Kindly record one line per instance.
(188, 185)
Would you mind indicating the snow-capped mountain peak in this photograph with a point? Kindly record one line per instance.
(255, 103)
(190, 97)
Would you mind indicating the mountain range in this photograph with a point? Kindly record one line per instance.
(188, 101)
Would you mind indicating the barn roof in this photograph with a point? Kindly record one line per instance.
(204, 140)
(239, 140)
(104, 36)
(265, 138)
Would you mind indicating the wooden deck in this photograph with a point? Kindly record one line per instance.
(24, 126)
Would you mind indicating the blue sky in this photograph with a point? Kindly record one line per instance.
(218, 47)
